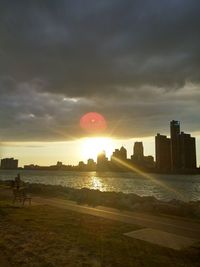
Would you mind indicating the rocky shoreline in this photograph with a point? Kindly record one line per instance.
(118, 200)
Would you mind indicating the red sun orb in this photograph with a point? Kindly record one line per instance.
(93, 122)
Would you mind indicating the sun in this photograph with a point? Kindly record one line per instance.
(91, 147)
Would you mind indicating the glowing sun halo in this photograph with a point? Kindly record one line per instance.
(93, 122)
(92, 146)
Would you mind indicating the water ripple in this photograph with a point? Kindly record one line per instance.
(165, 187)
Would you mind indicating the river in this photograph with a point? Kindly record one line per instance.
(163, 187)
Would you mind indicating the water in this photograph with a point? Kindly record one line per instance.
(164, 187)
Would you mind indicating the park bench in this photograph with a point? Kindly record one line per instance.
(20, 196)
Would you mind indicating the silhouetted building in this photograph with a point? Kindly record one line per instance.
(138, 158)
(177, 154)
(31, 167)
(56, 167)
(59, 164)
(138, 151)
(91, 165)
(81, 166)
(123, 153)
(187, 151)
(149, 162)
(119, 159)
(119, 154)
(102, 161)
(163, 153)
(115, 154)
(9, 163)
(175, 146)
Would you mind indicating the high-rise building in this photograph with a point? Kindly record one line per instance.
(102, 161)
(163, 153)
(9, 163)
(175, 146)
(139, 160)
(119, 154)
(118, 159)
(187, 151)
(123, 153)
(81, 166)
(174, 128)
(115, 154)
(91, 165)
(177, 153)
(138, 151)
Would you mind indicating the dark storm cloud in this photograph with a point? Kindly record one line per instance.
(137, 62)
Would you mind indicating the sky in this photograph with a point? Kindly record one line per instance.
(136, 62)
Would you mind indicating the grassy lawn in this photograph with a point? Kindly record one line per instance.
(46, 236)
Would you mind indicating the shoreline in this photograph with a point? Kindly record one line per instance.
(161, 186)
(153, 171)
(118, 200)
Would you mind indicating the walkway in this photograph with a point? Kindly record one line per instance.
(183, 227)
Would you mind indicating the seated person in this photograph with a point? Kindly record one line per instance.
(18, 182)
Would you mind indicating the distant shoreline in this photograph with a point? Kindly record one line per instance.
(189, 172)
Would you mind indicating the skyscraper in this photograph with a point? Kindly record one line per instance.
(175, 146)
(102, 161)
(120, 154)
(174, 128)
(187, 151)
(138, 151)
(163, 153)
(138, 158)
(177, 154)
(123, 153)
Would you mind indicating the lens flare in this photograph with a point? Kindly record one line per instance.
(93, 122)
(150, 177)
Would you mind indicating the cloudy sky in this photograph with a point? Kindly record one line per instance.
(135, 62)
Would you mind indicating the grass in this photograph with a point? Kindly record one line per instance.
(46, 237)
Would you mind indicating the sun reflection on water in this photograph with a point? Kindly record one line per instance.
(97, 183)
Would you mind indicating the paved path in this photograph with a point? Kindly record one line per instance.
(182, 227)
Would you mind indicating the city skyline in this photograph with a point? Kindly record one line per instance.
(99, 118)
(63, 60)
(72, 152)
(173, 153)
(43, 153)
